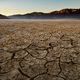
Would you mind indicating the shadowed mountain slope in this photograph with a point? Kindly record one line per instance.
(3, 17)
(64, 13)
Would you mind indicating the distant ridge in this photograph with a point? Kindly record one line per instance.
(3, 17)
(67, 11)
(64, 13)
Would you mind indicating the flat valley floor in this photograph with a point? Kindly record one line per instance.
(40, 50)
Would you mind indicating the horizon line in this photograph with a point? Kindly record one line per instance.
(37, 11)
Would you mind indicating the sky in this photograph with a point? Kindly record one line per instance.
(10, 7)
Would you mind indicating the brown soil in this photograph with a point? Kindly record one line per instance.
(39, 50)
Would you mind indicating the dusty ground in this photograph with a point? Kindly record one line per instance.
(39, 50)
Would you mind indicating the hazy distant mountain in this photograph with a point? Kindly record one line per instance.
(67, 11)
(64, 13)
(3, 17)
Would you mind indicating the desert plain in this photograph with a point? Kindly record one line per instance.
(40, 50)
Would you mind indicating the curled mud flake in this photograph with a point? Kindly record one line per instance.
(66, 44)
(76, 42)
(22, 73)
(44, 77)
(39, 54)
(14, 75)
(70, 55)
(20, 77)
(38, 45)
(4, 56)
(47, 77)
(5, 67)
(32, 66)
(53, 67)
(10, 75)
(65, 37)
(37, 51)
(8, 66)
(43, 36)
(53, 44)
(33, 46)
(69, 69)
(53, 53)
(15, 47)
(20, 54)
(11, 48)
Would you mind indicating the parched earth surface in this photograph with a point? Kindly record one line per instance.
(39, 50)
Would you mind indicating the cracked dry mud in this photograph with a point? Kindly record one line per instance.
(39, 50)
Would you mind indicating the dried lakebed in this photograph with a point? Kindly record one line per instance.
(39, 50)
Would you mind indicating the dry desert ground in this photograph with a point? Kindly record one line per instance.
(40, 50)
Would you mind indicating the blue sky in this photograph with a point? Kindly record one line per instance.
(9, 7)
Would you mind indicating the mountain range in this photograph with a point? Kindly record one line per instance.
(3, 17)
(64, 13)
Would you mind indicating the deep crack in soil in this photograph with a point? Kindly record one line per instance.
(39, 50)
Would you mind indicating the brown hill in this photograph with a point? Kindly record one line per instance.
(64, 13)
(3, 17)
